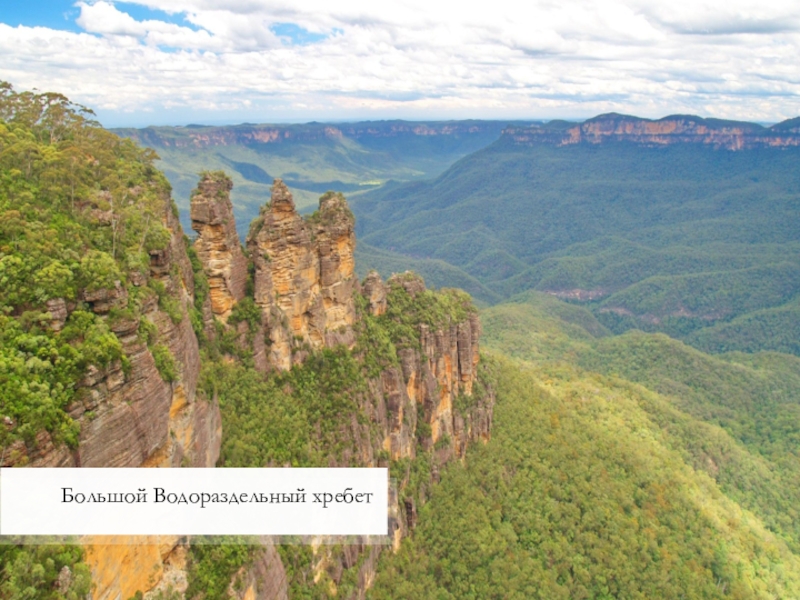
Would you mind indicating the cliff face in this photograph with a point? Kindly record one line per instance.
(431, 380)
(129, 416)
(126, 413)
(729, 135)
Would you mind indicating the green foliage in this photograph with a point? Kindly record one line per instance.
(40, 369)
(80, 211)
(261, 423)
(775, 329)
(374, 344)
(297, 561)
(98, 270)
(148, 332)
(167, 302)
(733, 417)
(165, 363)
(435, 271)
(34, 572)
(758, 406)
(213, 564)
(406, 312)
(246, 311)
(580, 495)
(201, 292)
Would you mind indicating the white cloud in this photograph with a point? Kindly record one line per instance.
(420, 59)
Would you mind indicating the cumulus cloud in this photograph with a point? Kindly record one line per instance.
(421, 59)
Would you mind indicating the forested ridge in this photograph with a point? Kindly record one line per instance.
(80, 210)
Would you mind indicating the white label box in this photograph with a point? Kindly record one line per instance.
(120, 501)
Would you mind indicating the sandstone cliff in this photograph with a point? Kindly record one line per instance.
(129, 415)
(729, 135)
(127, 411)
(304, 275)
(217, 245)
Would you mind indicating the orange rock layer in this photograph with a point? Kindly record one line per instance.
(729, 135)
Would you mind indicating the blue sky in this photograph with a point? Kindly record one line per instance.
(61, 14)
(178, 61)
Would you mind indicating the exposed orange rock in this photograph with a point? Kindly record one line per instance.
(304, 275)
(428, 383)
(123, 565)
(217, 244)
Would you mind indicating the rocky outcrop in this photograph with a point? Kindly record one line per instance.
(435, 384)
(264, 578)
(375, 292)
(304, 276)
(729, 135)
(127, 411)
(217, 245)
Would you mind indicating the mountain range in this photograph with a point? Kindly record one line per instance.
(620, 419)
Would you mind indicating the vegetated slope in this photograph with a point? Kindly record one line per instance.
(677, 235)
(370, 258)
(311, 158)
(661, 472)
(580, 494)
(735, 416)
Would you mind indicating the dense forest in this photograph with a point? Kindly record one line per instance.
(628, 466)
(694, 241)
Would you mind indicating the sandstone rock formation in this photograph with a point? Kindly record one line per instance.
(375, 292)
(730, 135)
(218, 246)
(431, 381)
(304, 275)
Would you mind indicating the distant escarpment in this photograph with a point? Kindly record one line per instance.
(200, 136)
(674, 129)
